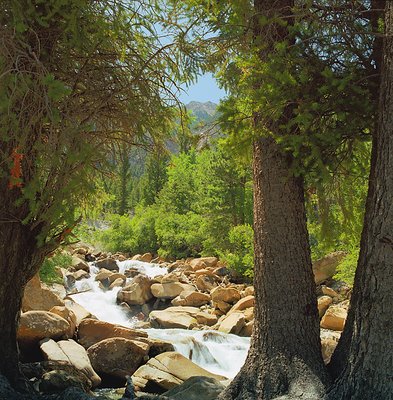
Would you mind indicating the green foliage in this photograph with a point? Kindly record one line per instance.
(240, 255)
(49, 271)
(347, 267)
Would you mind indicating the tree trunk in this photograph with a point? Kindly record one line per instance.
(364, 357)
(20, 259)
(285, 353)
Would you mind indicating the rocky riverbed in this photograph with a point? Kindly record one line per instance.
(160, 323)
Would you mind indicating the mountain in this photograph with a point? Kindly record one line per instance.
(202, 111)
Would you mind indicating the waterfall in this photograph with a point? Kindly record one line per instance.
(219, 353)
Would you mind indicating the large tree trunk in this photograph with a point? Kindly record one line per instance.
(285, 353)
(364, 357)
(20, 259)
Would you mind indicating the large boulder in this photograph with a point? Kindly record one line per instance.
(334, 318)
(69, 316)
(325, 268)
(243, 304)
(108, 263)
(191, 298)
(203, 262)
(39, 297)
(206, 282)
(233, 323)
(92, 331)
(80, 312)
(169, 370)
(175, 317)
(79, 264)
(138, 292)
(169, 290)
(37, 325)
(196, 388)
(71, 352)
(117, 357)
(228, 294)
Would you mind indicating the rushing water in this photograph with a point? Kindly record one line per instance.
(223, 354)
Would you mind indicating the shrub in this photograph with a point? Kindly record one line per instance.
(347, 267)
(49, 270)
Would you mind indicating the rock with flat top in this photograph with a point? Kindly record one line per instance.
(175, 317)
(228, 294)
(233, 323)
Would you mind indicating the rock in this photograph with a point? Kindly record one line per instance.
(334, 318)
(175, 317)
(169, 290)
(117, 357)
(191, 298)
(92, 331)
(242, 304)
(249, 291)
(79, 265)
(119, 282)
(204, 318)
(221, 271)
(229, 294)
(247, 329)
(103, 274)
(147, 257)
(115, 276)
(167, 371)
(327, 291)
(222, 306)
(37, 325)
(323, 304)
(108, 263)
(205, 283)
(196, 388)
(172, 277)
(232, 323)
(58, 289)
(72, 352)
(328, 347)
(80, 312)
(68, 315)
(203, 262)
(38, 297)
(249, 313)
(325, 268)
(138, 292)
(80, 274)
(158, 346)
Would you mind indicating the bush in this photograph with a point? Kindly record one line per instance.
(240, 256)
(347, 267)
(49, 270)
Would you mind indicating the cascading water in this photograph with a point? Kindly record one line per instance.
(219, 353)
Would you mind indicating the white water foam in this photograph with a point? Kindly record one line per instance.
(219, 353)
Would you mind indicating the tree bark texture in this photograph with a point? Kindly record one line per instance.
(285, 353)
(363, 359)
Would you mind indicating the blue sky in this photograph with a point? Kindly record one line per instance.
(205, 89)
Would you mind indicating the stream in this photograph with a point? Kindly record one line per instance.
(219, 353)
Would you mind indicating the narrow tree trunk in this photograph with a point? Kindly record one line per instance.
(364, 357)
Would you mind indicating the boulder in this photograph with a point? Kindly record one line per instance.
(117, 357)
(196, 388)
(222, 306)
(191, 298)
(103, 274)
(78, 264)
(72, 352)
(138, 292)
(328, 347)
(92, 331)
(80, 312)
(203, 262)
(325, 268)
(39, 297)
(204, 318)
(249, 291)
(233, 323)
(119, 282)
(169, 290)
(206, 283)
(334, 318)
(68, 315)
(108, 263)
(168, 370)
(327, 291)
(323, 304)
(249, 313)
(37, 325)
(175, 317)
(228, 294)
(80, 274)
(242, 304)
(247, 329)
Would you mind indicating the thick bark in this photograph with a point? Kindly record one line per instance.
(364, 357)
(19, 261)
(285, 353)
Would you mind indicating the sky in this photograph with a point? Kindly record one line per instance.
(205, 89)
